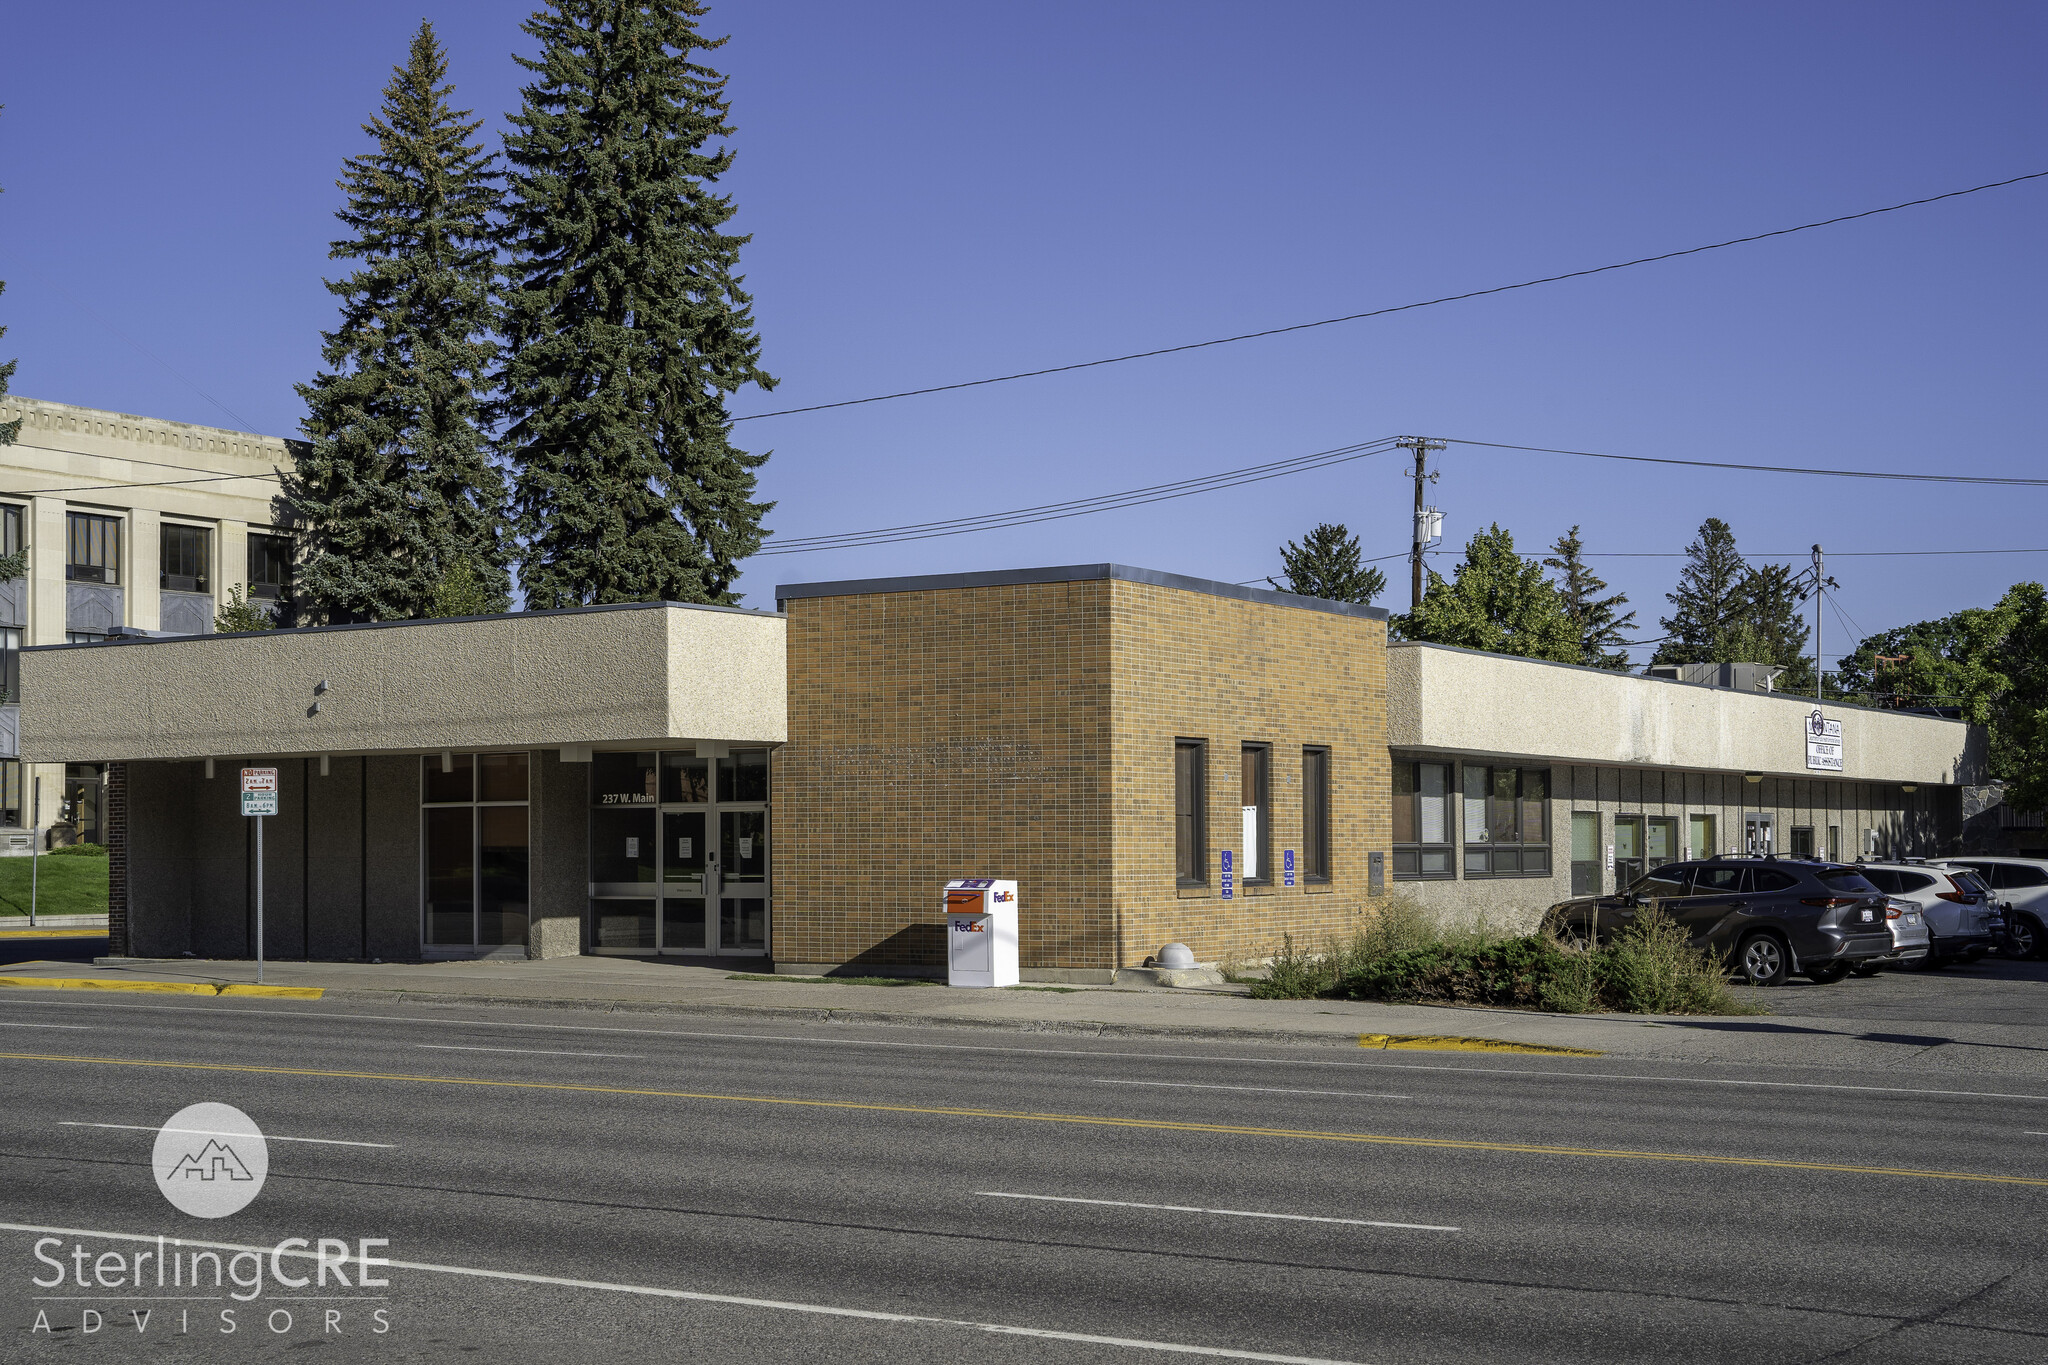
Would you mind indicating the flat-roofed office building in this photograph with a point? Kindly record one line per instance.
(126, 522)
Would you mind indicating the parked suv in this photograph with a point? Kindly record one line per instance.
(1909, 938)
(1765, 917)
(1962, 921)
(2022, 883)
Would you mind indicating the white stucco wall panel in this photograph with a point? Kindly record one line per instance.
(521, 681)
(1463, 701)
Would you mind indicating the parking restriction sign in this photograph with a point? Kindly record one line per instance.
(259, 791)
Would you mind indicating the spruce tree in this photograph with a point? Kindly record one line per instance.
(15, 565)
(625, 323)
(1326, 564)
(1496, 601)
(396, 486)
(1594, 620)
(1709, 600)
(1773, 628)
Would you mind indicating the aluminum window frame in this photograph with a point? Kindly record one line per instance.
(1191, 813)
(1318, 864)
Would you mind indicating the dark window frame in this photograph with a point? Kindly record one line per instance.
(92, 548)
(183, 547)
(261, 562)
(1410, 855)
(13, 521)
(1191, 812)
(1518, 858)
(1317, 864)
(1262, 753)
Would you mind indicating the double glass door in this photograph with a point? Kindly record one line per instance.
(679, 853)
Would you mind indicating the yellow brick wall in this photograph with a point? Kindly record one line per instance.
(1027, 731)
(1195, 666)
(933, 735)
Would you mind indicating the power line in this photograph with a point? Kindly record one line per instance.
(1764, 468)
(1396, 308)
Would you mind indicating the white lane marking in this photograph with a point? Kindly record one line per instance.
(9, 1023)
(732, 1300)
(1228, 1213)
(1247, 1060)
(2028, 1132)
(1260, 1089)
(529, 1051)
(208, 1132)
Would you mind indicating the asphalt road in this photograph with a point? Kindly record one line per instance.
(645, 1188)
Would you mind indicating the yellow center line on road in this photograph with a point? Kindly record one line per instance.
(1021, 1116)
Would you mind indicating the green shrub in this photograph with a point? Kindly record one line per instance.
(79, 851)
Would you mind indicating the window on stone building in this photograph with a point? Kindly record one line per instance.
(1422, 821)
(10, 793)
(1190, 812)
(1507, 821)
(10, 663)
(10, 529)
(1255, 864)
(1315, 814)
(187, 557)
(1701, 837)
(270, 567)
(93, 548)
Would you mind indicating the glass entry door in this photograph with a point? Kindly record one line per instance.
(679, 853)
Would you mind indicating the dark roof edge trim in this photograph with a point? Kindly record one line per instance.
(1072, 573)
(399, 625)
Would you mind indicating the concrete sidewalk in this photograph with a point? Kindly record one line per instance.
(1809, 1039)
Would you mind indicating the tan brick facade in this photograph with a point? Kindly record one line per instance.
(1027, 730)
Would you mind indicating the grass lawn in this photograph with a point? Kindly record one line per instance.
(66, 885)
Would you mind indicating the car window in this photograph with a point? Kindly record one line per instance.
(1908, 881)
(1883, 878)
(1969, 881)
(1661, 883)
(1852, 880)
(2018, 874)
(1718, 881)
(1771, 879)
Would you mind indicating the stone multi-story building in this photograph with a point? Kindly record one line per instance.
(127, 524)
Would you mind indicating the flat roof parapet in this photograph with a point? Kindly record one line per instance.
(1071, 573)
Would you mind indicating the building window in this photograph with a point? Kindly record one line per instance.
(1834, 843)
(1586, 860)
(78, 815)
(1802, 841)
(10, 529)
(1190, 812)
(83, 637)
(188, 555)
(10, 793)
(1255, 865)
(1660, 841)
(1422, 823)
(93, 552)
(476, 872)
(1628, 850)
(1701, 837)
(1315, 814)
(1507, 822)
(10, 663)
(270, 567)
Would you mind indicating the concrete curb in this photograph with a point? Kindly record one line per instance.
(1081, 1028)
(83, 983)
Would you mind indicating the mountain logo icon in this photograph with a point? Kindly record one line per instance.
(210, 1160)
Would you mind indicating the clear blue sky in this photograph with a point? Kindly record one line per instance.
(943, 191)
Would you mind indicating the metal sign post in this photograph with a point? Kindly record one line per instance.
(35, 848)
(259, 798)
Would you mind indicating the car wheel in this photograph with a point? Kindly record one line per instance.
(2026, 937)
(1828, 975)
(1763, 961)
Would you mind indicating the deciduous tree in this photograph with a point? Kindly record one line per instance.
(1496, 601)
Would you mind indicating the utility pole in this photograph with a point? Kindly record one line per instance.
(1424, 518)
(1816, 581)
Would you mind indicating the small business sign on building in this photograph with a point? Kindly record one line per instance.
(259, 791)
(1823, 743)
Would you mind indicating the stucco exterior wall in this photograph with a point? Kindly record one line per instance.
(1462, 701)
(629, 674)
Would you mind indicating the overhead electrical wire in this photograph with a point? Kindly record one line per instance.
(1394, 308)
(1762, 468)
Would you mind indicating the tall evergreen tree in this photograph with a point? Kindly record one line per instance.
(1326, 564)
(625, 323)
(396, 487)
(1496, 601)
(1709, 600)
(8, 430)
(1774, 629)
(1600, 630)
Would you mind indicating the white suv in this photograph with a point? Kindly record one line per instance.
(2022, 883)
(1960, 917)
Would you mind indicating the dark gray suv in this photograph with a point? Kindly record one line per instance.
(1765, 917)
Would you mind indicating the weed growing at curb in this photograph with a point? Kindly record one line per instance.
(834, 980)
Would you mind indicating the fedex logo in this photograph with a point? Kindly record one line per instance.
(1006, 896)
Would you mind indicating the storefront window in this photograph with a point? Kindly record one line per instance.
(1257, 808)
(1507, 821)
(679, 857)
(1190, 807)
(1422, 836)
(477, 863)
(1315, 814)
